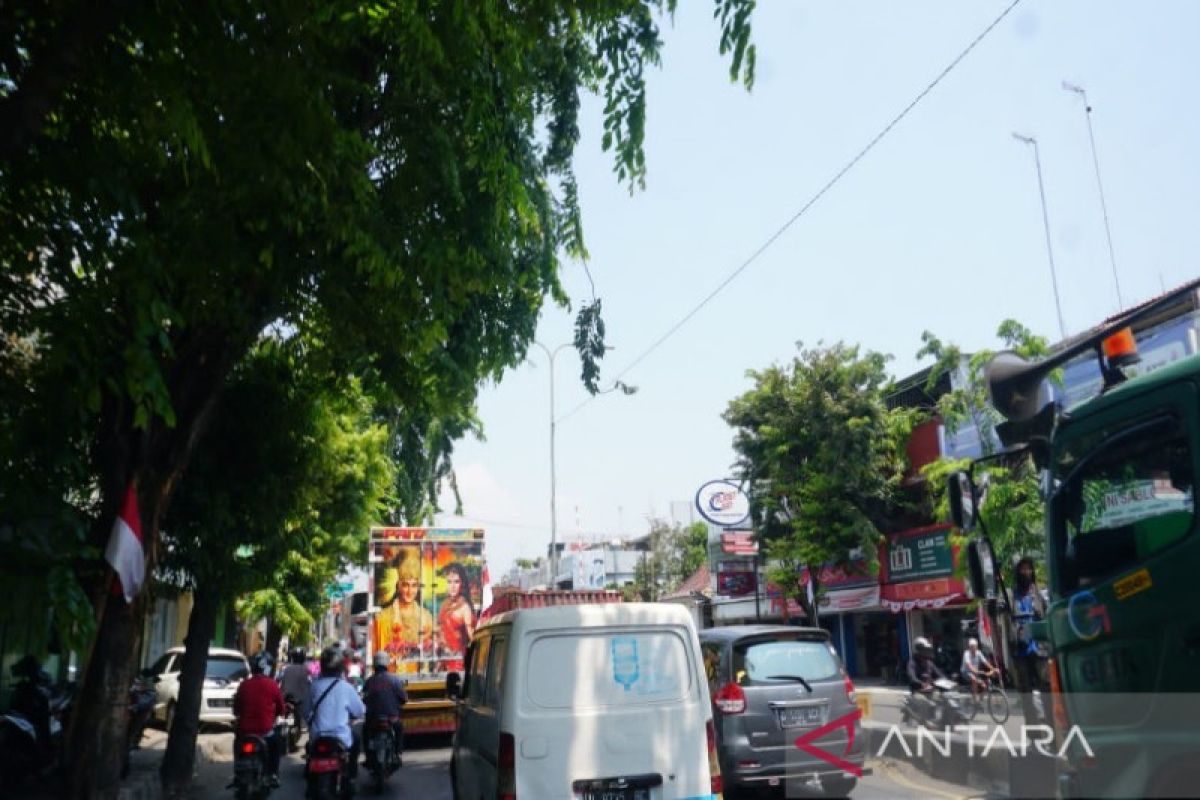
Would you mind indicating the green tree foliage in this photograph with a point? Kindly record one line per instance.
(279, 498)
(394, 181)
(824, 459)
(1013, 512)
(675, 551)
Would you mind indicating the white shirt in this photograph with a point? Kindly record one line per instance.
(975, 661)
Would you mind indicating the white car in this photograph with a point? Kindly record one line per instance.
(226, 669)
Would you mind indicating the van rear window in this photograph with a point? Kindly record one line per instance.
(596, 670)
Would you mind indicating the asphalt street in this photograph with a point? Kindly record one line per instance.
(425, 775)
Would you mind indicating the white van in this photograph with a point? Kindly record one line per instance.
(585, 702)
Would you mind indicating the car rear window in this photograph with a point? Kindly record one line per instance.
(759, 661)
(226, 668)
(596, 670)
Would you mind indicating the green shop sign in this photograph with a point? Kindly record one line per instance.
(913, 558)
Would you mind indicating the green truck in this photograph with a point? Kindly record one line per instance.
(1122, 625)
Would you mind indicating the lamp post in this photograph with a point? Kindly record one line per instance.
(550, 356)
(1037, 160)
(1087, 112)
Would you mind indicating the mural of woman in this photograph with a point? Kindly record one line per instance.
(456, 619)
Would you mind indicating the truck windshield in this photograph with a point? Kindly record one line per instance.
(1128, 495)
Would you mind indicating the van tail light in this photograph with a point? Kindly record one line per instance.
(506, 768)
(1057, 699)
(730, 699)
(851, 695)
(717, 785)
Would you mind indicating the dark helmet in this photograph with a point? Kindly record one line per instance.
(27, 667)
(297, 655)
(331, 661)
(261, 664)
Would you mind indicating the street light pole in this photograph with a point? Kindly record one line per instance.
(550, 355)
(1037, 160)
(1087, 108)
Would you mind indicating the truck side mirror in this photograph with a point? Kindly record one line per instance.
(981, 569)
(961, 493)
(454, 686)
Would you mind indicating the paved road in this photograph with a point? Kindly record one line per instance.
(425, 776)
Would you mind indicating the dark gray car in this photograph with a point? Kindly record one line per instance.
(772, 685)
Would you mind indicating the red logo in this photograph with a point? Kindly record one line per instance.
(805, 742)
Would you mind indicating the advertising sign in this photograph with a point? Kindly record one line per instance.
(916, 557)
(428, 590)
(736, 578)
(722, 503)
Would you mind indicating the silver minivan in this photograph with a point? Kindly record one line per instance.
(784, 709)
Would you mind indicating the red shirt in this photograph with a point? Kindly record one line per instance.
(257, 703)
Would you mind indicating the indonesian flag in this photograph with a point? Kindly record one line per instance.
(124, 551)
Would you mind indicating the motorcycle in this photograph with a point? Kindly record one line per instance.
(327, 773)
(24, 749)
(251, 773)
(292, 717)
(947, 708)
(383, 752)
(142, 698)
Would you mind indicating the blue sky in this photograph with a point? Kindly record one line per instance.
(938, 228)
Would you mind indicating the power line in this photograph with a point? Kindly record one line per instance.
(870, 145)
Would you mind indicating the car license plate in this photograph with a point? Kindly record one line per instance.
(799, 717)
(221, 702)
(616, 794)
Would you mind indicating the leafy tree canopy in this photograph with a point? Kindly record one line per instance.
(823, 456)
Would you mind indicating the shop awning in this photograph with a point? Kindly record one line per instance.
(932, 593)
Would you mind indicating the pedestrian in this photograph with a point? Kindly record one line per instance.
(1026, 605)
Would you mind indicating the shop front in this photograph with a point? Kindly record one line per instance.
(918, 587)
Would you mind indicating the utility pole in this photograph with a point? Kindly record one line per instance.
(550, 356)
(1070, 87)
(1037, 160)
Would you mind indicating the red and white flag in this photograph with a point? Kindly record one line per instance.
(125, 552)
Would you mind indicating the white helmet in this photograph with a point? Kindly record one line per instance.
(381, 660)
(922, 645)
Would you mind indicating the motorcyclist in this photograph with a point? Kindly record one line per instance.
(256, 705)
(332, 704)
(383, 696)
(295, 682)
(922, 672)
(30, 699)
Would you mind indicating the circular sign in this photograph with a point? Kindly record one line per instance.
(722, 503)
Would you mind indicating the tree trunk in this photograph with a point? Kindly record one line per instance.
(274, 637)
(179, 760)
(102, 712)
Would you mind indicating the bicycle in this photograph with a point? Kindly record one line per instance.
(993, 696)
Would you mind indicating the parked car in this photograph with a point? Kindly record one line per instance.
(226, 669)
(585, 702)
(770, 684)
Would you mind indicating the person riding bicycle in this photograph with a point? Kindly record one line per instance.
(332, 704)
(922, 672)
(976, 668)
(383, 696)
(256, 704)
